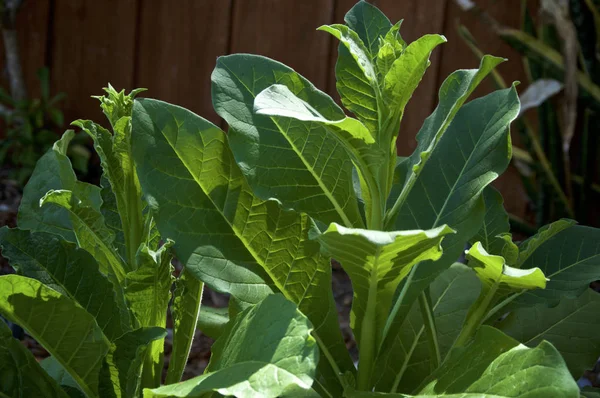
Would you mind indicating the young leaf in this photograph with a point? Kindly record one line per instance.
(185, 310)
(369, 23)
(356, 78)
(63, 328)
(248, 362)
(571, 327)
(402, 80)
(70, 271)
(376, 263)
(390, 49)
(22, 376)
(90, 230)
(53, 171)
(226, 236)
(148, 291)
(306, 171)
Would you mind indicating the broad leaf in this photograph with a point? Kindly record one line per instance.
(148, 291)
(70, 271)
(62, 377)
(248, 362)
(20, 373)
(452, 293)
(474, 150)
(226, 236)
(376, 263)
(528, 247)
(62, 327)
(307, 170)
(53, 172)
(356, 77)
(122, 369)
(570, 260)
(212, 321)
(184, 310)
(91, 232)
(369, 23)
(494, 365)
(571, 327)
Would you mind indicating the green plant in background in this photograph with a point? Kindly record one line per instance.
(559, 166)
(260, 212)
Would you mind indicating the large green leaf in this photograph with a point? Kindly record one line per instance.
(62, 377)
(571, 327)
(376, 263)
(52, 172)
(494, 365)
(356, 77)
(452, 293)
(354, 137)
(69, 270)
(226, 236)
(185, 310)
(122, 370)
(68, 332)
(148, 291)
(307, 170)
(474, 150)
(570, 259)
(20, 373)
(91, 232)
(369, 23)
(528, 247)
(212, 321)
(266, 352)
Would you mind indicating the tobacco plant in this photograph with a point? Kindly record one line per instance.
(260, 212)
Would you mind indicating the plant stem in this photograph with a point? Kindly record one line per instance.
(391, 215)
(367, 345)
(429, 322)
(476, 316)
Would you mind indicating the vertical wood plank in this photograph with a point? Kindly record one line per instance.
(93, 44)
(285, 30)
(32, 29)
(420, 17)
(177, 50)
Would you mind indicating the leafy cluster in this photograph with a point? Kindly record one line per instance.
(260, 212)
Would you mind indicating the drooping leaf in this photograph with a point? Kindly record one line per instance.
(71, 271)
(369, 23)
(185, 310)
(122, 369)
(148, 291)
(90, 230)
(63, 328)
(474, 150)
(266, 352)
(356, 78)
(571, 327)
(377, 262)
(20, 373)
(452, 293)
(226, 236)
(53, 172)
(306, 170)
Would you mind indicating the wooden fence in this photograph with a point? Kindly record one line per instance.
(170, 47)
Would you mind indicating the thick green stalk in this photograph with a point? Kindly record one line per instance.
(476, 317)
(430, 329)
(367, 345)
